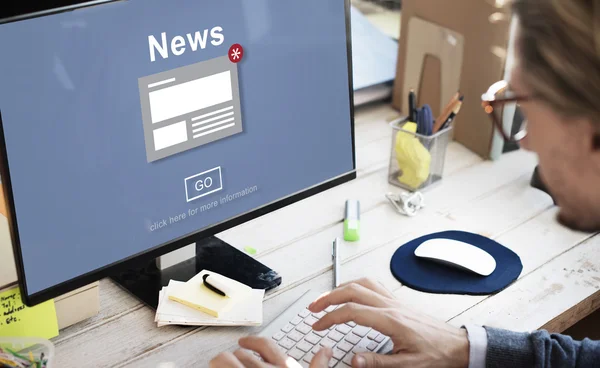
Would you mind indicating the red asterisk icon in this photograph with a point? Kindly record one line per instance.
(236, 52)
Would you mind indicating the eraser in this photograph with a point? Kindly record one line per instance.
(352, 220)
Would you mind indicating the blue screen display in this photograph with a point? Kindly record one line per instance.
(131, 124)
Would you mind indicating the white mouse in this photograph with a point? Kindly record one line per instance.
(457, 254)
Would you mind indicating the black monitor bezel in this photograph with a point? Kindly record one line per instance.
(157, 251)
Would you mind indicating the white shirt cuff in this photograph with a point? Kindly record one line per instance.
(477, 345)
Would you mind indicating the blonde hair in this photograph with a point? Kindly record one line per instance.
(558, 44)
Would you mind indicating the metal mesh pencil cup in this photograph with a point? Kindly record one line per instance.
(416, 161)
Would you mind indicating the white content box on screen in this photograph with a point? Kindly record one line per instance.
(190, 96)
(170, 135)
(190, 106)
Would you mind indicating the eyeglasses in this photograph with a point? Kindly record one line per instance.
(498, 99)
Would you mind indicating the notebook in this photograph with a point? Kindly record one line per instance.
(195, 294)
(170, 312)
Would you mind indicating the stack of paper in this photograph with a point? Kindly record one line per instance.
(192, 303)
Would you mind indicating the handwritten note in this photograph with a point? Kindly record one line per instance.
(16, 319)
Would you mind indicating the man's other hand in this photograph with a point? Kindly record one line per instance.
(269, 352)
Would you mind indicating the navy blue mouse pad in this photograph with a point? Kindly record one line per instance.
(425, 275)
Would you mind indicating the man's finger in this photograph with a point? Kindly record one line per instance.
(322, 358)
(371, 284)
(247, 359)
(371, 360)
(226, 360)
(361, 314)
(350, 293)
(265, 347)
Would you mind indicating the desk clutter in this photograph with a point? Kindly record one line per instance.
(26, 352)
(209, 299)
(419, 144)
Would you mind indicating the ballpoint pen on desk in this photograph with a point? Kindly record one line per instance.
(335, 254)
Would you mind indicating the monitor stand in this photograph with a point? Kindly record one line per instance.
(145, 280)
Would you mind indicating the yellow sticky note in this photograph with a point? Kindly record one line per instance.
(16, 319)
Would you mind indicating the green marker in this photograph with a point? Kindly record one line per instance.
(352, 220)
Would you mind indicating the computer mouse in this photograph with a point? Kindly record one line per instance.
(457, 254)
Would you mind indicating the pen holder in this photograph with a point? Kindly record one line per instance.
(416, 161)
(17, 349)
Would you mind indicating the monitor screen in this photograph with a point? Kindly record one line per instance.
(128, 126)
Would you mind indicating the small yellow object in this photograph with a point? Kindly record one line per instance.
(413, 158)
(21, 321)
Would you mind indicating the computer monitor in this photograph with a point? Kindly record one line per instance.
(130, 129)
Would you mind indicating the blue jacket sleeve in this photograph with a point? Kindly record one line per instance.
(539, 349)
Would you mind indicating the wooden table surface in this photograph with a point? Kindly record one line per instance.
(559, 284)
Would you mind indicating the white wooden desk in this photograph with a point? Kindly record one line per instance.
(558, 286)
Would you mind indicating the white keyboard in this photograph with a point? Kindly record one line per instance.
(294, 335)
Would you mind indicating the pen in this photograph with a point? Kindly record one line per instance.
(447, 111)
(452, 115)
(336, 263)
(412, 106)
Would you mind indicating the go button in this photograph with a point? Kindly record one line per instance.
(203, 184)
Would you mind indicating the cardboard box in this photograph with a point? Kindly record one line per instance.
(484, 29)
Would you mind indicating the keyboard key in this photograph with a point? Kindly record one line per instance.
(296, 353)
(330, 309)
(372, 334)
(287, 343)
(335, 336)
(351, 324)
(287, 328)
(310, 320)
(319, 315)
(296, 320)
(295, 335)
(308, 357)
(305, 346)
(304, 364)
(305, 313)
(332, 363)
(372, 346)
(332, 327)
(343, 329)
(380, 338)
(345, 346)
(312, 338)
(327, 342)
(348, 358)
(360, 331)
(342, 365)
(353, 339)
(338, 354)
(303, 328)
(278, 336)
(322, 333)
(359, 349)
